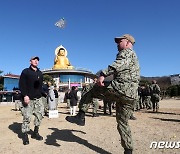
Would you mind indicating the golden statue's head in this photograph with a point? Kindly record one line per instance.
(62, 52)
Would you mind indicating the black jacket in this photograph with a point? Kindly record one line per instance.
(30, 83)
(17, 96)
(67, 96)
(73, 98)
(45, 90)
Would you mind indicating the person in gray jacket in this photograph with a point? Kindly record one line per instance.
(51, 97)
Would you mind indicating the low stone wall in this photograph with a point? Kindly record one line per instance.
(6, 103)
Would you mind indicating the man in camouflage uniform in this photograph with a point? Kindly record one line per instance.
(147, 100)
(143, 95)
(123, 89)
(95, 107)
(30, 85)
(94, 101)
(107, 103)
(155, 95)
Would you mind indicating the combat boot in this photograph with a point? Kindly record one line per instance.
(157, 109)
(36, 135)
(105, 113)
(127, 151)
(79, 119)
(95, 115)
(25, 139)
(132, 117)
(46, 114)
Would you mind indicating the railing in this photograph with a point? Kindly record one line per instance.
(75, 68)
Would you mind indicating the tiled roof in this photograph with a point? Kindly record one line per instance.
(11, 76)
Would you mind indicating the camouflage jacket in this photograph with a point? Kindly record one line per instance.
(126, 72)
(155, 89)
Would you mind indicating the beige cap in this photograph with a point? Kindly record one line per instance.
(125, 36)
(34, 57)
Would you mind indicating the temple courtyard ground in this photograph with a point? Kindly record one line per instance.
(99, 135)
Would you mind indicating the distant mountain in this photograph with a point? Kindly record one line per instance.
(164, 82)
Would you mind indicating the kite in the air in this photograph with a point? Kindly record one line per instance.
(61, 23)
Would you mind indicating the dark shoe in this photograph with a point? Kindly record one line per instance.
(46, 114)
(79, 119)
(36, 135)
(95, 115)
(25, 139)
(127, 151)
(133, 118)
(111, 114)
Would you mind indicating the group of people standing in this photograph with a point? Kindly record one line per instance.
(123, 90)
(149, 97)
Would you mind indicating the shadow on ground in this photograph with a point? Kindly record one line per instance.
(171, 113)
(171, 120)
(68, 136)
(16, 128)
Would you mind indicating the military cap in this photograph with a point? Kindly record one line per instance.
(34, 57)
(125, 36)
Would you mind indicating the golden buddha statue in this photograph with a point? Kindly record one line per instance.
(61, 61)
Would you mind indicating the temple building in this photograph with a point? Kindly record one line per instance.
(10, 81)
(65, 75)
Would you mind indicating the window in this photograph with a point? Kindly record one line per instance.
(72, 78)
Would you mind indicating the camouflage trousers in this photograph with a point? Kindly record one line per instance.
(107, 103)
(155, 98)
(137, 104)
(36, 108)
(95, 105)
(142, 103)
(124, 109)
(18, 104)
(148, 102)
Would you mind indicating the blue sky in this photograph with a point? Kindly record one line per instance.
(27, 29)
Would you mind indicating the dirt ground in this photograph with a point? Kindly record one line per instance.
(99, 135)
